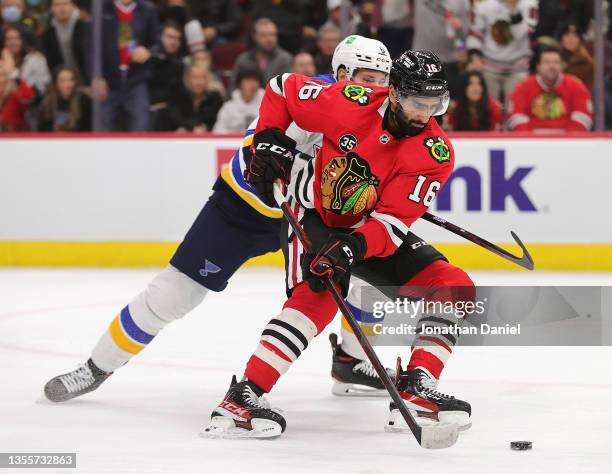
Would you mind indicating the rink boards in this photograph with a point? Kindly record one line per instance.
(127, 200)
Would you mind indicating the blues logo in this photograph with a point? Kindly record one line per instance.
(209, 267)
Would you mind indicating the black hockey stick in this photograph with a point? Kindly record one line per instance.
(525, 261)
(437, 436)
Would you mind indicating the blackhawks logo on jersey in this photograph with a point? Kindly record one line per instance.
(348, 185)
(438, 149)
(359, 94)
(548, 105)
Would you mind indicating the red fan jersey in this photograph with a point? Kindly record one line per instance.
(565, 107)
(361, 177)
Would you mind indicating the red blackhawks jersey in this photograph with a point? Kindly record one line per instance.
(566, 106)
(361, 177)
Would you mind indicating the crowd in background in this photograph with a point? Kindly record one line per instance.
(200, 66)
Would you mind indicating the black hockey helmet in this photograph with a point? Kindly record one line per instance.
(420, 74)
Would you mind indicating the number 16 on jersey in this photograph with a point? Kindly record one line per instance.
(430, 194)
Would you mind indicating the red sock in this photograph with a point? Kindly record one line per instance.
(305, 314)
(431, 351)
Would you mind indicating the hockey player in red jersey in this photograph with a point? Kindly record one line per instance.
(382, 161)
(550, 101)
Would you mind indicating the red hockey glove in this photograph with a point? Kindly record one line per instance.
(272, 160)
(335, 259)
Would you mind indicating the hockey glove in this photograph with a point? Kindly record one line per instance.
(271, 161)
(335, 259)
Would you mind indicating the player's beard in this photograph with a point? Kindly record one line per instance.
(403, 127)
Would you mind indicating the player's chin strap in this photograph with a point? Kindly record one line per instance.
(440, 435)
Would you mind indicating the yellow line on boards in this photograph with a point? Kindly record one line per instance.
(562, 257)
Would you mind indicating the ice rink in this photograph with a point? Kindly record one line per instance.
(147, 417)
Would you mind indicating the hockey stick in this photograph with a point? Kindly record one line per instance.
(441, 435)
(525, 261)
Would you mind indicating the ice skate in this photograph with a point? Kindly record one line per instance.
(244, 414)
(354, 377)
(418, 389)
(84, 379)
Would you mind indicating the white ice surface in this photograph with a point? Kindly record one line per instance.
(146, 418)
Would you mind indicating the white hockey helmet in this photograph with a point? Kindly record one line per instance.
(357, 52)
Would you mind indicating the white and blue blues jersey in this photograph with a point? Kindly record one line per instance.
(233, 173)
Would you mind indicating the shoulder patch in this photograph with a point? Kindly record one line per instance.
(438, 149)
(347, 142)
(357, 93)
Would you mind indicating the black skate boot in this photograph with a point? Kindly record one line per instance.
(418, 389)
(85, 378)
(354, 377)
(243, 414)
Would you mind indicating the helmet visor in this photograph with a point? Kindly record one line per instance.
(423, 105)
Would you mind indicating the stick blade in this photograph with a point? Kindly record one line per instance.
(526, 261)
(439, 436)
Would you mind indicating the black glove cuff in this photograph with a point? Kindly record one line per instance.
(274, 136)
(357, 243)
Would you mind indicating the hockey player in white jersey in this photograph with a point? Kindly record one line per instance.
(234, 225)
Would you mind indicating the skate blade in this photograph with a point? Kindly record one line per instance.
(397, 424)
(221, 427)
(341, 389)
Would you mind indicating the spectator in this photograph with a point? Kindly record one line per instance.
(220, 19)
(238, 112)
(499, 43)
(366, 27)
(550, 100)
(13, 16)
(578, 60)
(303, 63)
(31, 64)
(66, 41)
(453, 18)
(266, 55)
(15, 96)
(327, 40)
(198, 53)
(291, 17)
(65, 108)
(334, 7)
(166, 66)
(474, 110)
(129, 33)
(196, 107)
(553, 13)
(214, 82)
(36, 16)
(396, 30)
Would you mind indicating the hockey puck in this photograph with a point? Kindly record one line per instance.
(521, 445)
